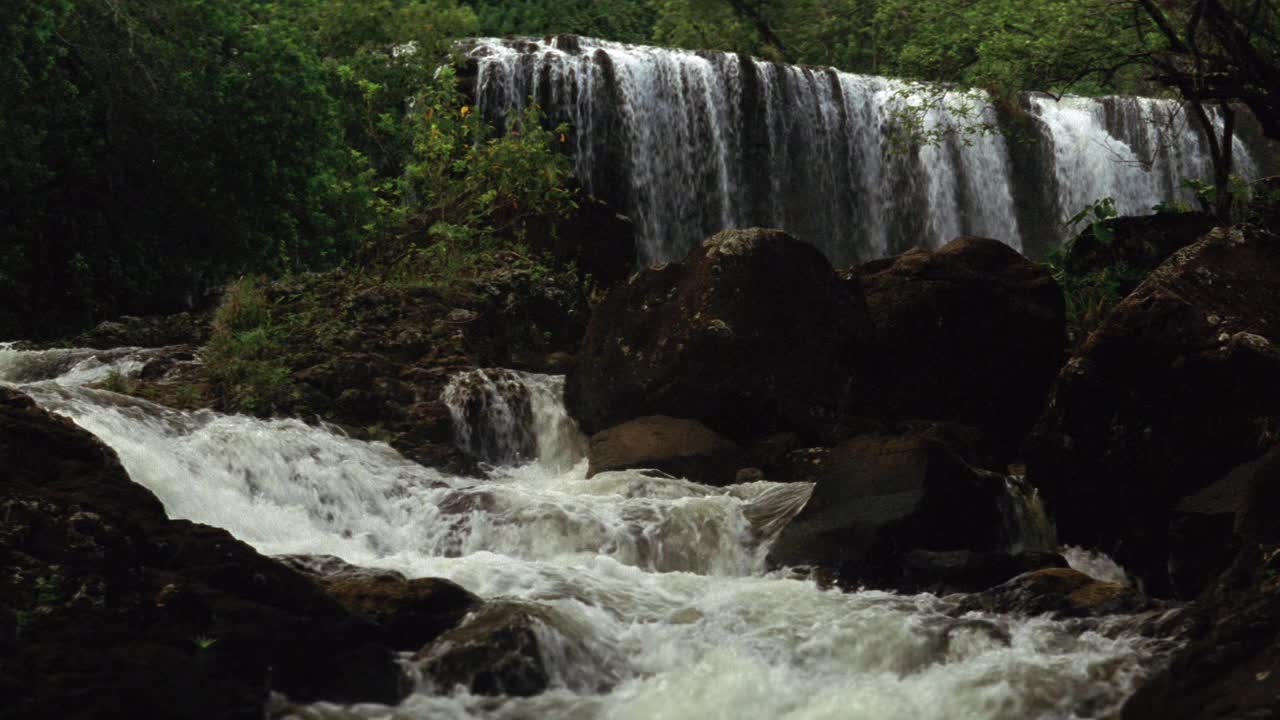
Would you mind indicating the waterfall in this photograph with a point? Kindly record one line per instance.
(690, 143)
(506, 417)
(658, 582)
(1028, 523)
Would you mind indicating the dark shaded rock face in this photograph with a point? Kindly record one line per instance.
(1176, 388)
(1230, 665)
(495, 652)
(750, 334)
(408, 613)
(883, 496)
(1206, 528)
(117, 611)
(972, 333)
(683, 448)
(152, 331)
(965, 571)
(1140, 242)
(1062, 592)
(596, 238)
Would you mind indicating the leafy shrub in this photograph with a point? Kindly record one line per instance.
(468, 190)
(246, 352)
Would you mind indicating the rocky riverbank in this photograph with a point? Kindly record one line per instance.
(903, 389)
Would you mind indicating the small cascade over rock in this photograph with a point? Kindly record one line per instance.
(690, 143)
(1029, 525)
(505, 417)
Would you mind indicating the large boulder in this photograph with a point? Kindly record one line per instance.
(1176, 388)
(408, 613)
(683, 448)
(116, 611)
(1228, 666)
(751, 334)
(497, 651)
(880, 497)
(971, 333)
(1140, 242)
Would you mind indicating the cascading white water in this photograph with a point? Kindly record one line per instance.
(691, 143)
(660, 602)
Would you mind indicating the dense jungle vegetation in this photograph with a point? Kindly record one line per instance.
(152, 149)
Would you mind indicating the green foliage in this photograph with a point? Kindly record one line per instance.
(1172, 206)
(1097, 213)
(1237, 188)
(467, 191)
(245, 354)
(203, 642)
(1091, 297)
(841, 33)
(116, 382)
(157, 146)
(622, 20)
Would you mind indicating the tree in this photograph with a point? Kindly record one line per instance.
(622, 20)
(1220, 52)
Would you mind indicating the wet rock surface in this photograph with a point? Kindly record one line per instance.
(112, 610)
(972, 333)
(751, 334)
(596, 238)
(149, 332)
(1060, 592)
(682, 448)
(965, 571)
(1230, 664)
(879, 497)
(495, 652)
(1175, 389)
(408, 613)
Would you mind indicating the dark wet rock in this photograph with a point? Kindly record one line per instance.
(1176, 388)
(1229, 666)
(751, 334)
(496, 651)
(1061, 592)
(680, 447)
(971, 333)
(120, 612)
(1257, 520)
(965, 571)
(596, 238)
(409, 613)
(1141, 243)
(178, 362)
(152, 331)
(880, 497)
(1207, 529)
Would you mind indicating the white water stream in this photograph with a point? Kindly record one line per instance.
(659, 582)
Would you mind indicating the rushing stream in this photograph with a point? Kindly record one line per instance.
(656, 587)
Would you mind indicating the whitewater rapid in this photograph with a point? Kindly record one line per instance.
(659, 600)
